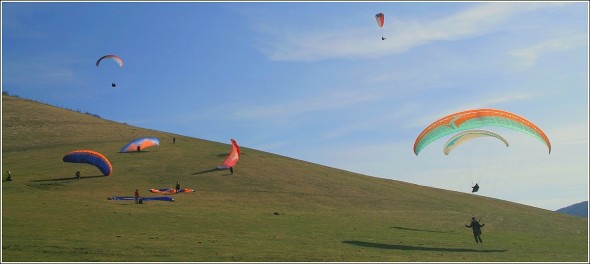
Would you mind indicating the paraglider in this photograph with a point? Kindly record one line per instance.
(468, 135)
(380, 21)
(477, 118)
(90, 157)
(115, 58)
(141, 143)
(233, 157)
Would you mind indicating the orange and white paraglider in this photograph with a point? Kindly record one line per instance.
(380, 21)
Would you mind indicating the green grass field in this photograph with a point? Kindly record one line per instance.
(272, 209)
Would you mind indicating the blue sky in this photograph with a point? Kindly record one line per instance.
(314, 81)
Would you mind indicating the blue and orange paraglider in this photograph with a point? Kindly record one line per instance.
(233, 157)
(142, 143)
(90, 157)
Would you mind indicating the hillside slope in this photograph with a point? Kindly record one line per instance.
(273, 208)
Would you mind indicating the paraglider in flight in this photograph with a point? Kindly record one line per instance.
(477, 118)
(115, 58)
(142, 143)
(233, 157)
(468, 135)
(90, 157)
(380, 21)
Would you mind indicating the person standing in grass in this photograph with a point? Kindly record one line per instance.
(136, 196)
(231, 170)
(9, 178)
(476, 227)
(177, 186)
(78, 175)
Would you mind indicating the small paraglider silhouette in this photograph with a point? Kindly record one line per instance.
(380, 21)
(475, 188)
(112, 57)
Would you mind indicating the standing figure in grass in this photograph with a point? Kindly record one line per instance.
(136, 196)
(476, 229)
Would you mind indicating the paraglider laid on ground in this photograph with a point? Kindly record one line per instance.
(233, 157)
(477, 118)
(131, 198)
(90, 157)
(140, 144)
(171, 190)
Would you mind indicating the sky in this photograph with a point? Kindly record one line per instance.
(315, 81)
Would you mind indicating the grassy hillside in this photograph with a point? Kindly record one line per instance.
(273, 208)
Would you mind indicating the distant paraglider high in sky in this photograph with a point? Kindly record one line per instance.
(112, 57)
(233, 157)
(115, 58)
(477, 118)
(380, 22)
(90, 157)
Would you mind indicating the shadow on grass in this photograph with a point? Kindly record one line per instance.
(70, 178)
(404, 247)
(421, 230)
(206, 171)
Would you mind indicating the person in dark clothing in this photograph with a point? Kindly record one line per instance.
(475, 188)
(78, 175)
(173, 140)
(382, 38)
(231, 170)
(113, 85)
(138, 148)
(177, 186)
(9, 178)
(476, 227)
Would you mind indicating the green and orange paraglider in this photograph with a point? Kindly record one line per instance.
(477, 118)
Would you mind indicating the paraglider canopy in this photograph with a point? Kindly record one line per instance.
(380, 22)
(233, 157)
(476, 118)
(469, 135)
(90, 157)
(115, 58)
(141, 143)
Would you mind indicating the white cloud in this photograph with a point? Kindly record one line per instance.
(362, 43)
(527, 57)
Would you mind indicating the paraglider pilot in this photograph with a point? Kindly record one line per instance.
(136, 196)
(475, 188)
(177, 186)
(78, 175)
(138, 148)
(382, 38)
(9, 178)
(476, 229)
(231, 170)
(113, 85)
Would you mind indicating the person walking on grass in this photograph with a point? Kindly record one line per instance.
(476, 227)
